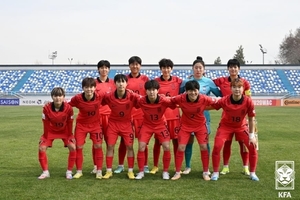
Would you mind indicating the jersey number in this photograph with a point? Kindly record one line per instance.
(154, 117)
(236, 119)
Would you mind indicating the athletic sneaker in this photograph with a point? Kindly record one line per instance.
(146, 169)
(99, 175)
(154, 170)
(119, 169)
(94, 171)
(130, 175)
(176, 176)
(225, 170)
(139, 175)
(44, 175)
(78, 175)
(214, 177)
(108, 175)
(187, 170)
(166, 175)
(206, 176)
(69, 176)
(246, 171)
(253, 177)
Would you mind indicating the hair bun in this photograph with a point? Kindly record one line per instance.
(199, 58)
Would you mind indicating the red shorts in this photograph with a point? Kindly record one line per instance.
(104, 124)
(120, 129)
(137, 124)
(201, 135)
(173, 127)
(161, 133)
(226, 133)
(48, 142)
(94, 129)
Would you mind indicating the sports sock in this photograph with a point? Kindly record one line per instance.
(79, 159)
(166, 160)
(122, 152)
(43, 160)
(141, 160)
(156, 152)
(178, 160)
(99, 158)
(226, 152)
(71, 160)
(188, 155)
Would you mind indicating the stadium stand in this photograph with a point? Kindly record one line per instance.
(26, 82)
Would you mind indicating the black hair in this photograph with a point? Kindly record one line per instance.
(134, 59)
(233, 62)
(102, 63)
(88, 82)
(151, 84)
(192, 85)
(58, 91)
(120, 78)
(199, 60)
(165, 63)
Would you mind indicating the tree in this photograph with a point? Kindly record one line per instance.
(239, 55)
(218, 61)
(289, 50)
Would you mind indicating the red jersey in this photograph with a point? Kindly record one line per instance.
(154, 112)
(137, 86)
(103, 87)
(57, 124)
(88, 110)
(192, 117)
(224, 84)
(170, 88)
(120, 108)
(234, 112)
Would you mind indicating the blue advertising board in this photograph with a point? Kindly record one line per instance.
(9, 102)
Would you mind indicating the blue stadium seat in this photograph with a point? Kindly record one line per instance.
(294, 78)
(9, 79)
(265, 81)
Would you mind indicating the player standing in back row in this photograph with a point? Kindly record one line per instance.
(233, 67)
(169, 86)
(136, 82)
(103, 85)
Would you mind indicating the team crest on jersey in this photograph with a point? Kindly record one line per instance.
(198, 110)
(127, 106)
(159, 110)
(243, 112)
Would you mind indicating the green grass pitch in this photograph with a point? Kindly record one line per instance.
(21, 127)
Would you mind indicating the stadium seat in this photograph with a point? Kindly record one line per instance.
(262, 81)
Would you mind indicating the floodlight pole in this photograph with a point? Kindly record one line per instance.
(70, 60)
(53, 56)
(263, 51)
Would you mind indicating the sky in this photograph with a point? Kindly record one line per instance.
(85, 32)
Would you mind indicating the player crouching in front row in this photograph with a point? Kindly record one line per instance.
(153, 106)
(121, 102)
(235, 108)
(193, 120)
(57, 123)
